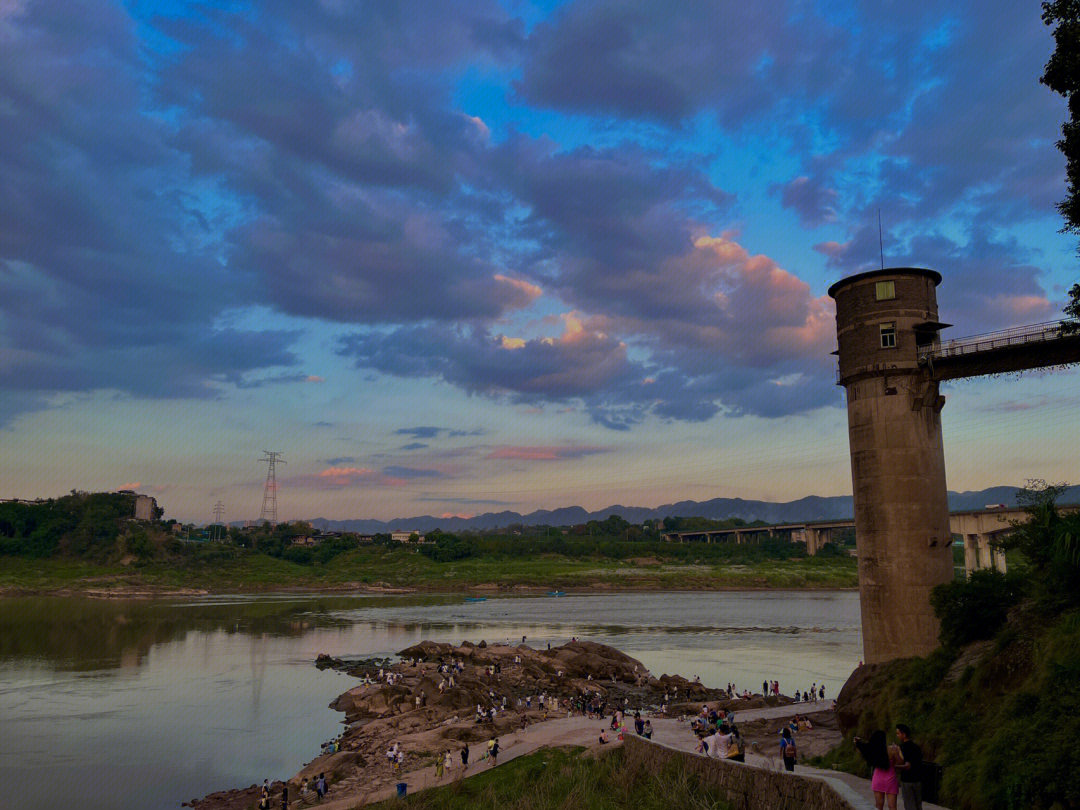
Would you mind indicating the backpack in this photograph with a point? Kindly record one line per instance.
(733, 748)
(789, 749)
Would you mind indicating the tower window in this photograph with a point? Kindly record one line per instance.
(884, 290)
(888, 335)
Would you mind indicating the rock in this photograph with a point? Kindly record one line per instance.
(971, 656)
(859, 693)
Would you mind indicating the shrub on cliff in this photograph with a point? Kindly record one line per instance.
(974, 608)
(1049, 543)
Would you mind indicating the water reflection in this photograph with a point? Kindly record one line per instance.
(95, 634)
(168, 700)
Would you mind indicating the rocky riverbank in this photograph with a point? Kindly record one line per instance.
(428, 702)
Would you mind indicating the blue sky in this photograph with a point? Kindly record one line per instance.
(459, 257)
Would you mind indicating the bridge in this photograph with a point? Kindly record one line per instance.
(978, 528)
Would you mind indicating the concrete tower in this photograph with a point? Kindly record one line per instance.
(897, 460)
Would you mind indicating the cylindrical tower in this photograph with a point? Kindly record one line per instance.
(897, 459)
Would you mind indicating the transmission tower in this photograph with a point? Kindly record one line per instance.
(269, 504)
(219, 520)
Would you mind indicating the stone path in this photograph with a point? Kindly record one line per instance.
(351, 792)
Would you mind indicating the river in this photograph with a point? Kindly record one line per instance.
(138, 705)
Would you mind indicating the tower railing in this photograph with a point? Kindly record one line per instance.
(1018, 335)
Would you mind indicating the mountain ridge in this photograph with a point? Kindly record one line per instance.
(809, 508)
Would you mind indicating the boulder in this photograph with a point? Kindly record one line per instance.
(859, 693)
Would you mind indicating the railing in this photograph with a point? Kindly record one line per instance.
(1034, 333)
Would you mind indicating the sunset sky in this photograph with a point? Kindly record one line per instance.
(452, 258)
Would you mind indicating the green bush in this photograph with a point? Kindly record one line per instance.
(974, 608)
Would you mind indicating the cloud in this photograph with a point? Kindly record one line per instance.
(334, 163)
(715, 325)
(464, 501)
(814, 203)
(422, 432)
(394, 471)
(990, 281)
(414, 446)
(341, 461)
(640, 60)
(113, 295)
(545, 453)
(339, 477)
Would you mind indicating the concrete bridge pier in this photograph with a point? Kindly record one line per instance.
(816, 538)
(979, 554)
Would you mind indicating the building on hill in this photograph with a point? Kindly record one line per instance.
(146, 508)
(407, 537)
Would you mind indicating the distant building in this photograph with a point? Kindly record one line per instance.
(404, 537)
(145, 508)
(303, 541)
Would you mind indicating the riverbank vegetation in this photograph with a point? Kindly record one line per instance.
(557, 778)
(86, 542)
(998, 705)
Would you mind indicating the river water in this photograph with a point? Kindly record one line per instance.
(137, 705)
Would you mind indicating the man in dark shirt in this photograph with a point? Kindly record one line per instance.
(910, 769)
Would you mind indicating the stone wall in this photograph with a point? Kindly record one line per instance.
(746, 787)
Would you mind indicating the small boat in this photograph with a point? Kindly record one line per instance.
(475, 598)
(556, 593)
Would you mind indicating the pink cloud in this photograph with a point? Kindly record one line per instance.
(314, 378)
(332, 478)
(130, 485)
(833, 250)
(720, 298)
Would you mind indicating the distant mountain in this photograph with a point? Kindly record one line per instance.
(812, 507)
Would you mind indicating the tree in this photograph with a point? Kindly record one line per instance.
(1062, 75)
(1049, 542)
(1072, 310)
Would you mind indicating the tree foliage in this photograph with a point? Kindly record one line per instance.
(1062, 75)
(1049, 543)
(975, 608)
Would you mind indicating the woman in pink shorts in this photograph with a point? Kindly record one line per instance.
(882, 759)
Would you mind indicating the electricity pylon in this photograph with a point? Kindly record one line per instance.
(269, 504)
(219, 522)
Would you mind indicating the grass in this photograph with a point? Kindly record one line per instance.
(561, 778)
(406, 568)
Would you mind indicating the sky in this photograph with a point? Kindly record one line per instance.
(451, 258)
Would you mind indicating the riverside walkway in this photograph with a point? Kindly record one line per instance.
(350, 793)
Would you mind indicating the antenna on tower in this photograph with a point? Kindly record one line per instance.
(880, 241)
(269, 504)
(219, 522)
